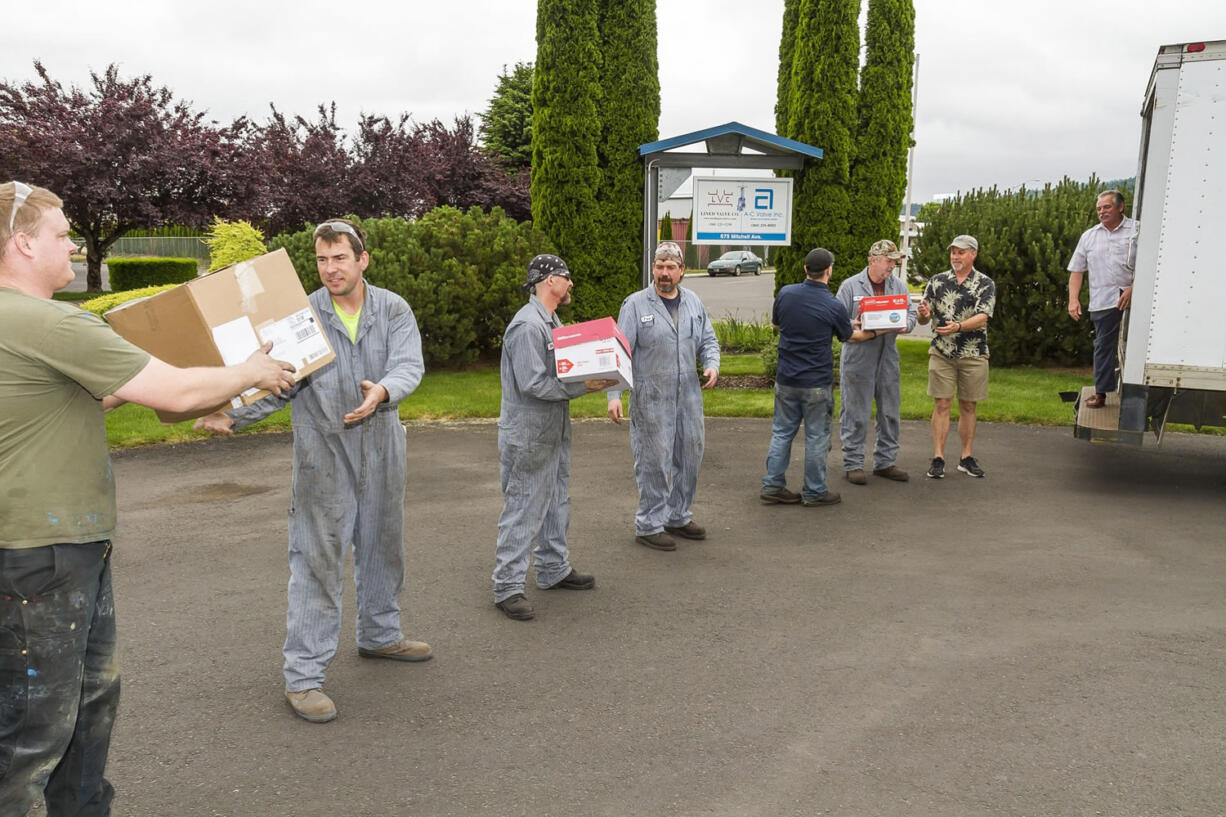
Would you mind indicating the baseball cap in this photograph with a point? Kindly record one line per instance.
(885, 247)
(817, 261)
(966, 242)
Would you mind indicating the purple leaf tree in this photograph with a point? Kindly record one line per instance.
(123, 154)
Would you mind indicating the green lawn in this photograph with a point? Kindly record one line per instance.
(1023, 395)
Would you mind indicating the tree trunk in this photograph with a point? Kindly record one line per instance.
(93, 265)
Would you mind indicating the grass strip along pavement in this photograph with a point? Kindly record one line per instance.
(1021, 395)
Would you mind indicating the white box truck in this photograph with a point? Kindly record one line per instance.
(1173, 342)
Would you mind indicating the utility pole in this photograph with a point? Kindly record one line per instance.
(908, 229)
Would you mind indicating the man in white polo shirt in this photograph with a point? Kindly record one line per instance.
(1108, 251)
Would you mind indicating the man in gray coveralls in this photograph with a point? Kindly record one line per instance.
(534, 447)
(349, 470)
(868, 371)
(669, 334)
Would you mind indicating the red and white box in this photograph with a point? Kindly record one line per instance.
(593, 350)
(884, 312)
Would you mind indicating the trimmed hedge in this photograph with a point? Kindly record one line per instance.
(134, 273)
(460, 272)
(113, 299)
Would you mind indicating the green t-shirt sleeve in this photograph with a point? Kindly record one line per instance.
(83, 347)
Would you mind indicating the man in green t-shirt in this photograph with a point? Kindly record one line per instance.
(60, 369)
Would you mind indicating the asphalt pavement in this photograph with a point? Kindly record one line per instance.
(1048, 640)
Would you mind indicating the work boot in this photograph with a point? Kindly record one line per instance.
(657, 541)
(402, 650)
(574, 580)
(893, 472)
(780, 497)
(516, 607)
(856, 477)
(312, 705)
(689, 530)
(828, 498)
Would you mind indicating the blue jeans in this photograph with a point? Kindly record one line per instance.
(59, 682)
(792, 405)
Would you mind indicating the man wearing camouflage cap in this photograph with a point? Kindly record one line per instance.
(869, 371)
(669, 334)
(534, 447)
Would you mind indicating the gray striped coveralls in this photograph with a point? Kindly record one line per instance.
(667, 434)
(869, 371)
(533, 455)
(348, 484)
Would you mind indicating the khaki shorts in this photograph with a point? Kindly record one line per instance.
(968, 374)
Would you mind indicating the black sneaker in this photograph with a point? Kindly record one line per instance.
(968, 466)
(937, 469)
(516, 607)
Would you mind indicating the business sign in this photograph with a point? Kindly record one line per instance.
(728, 210)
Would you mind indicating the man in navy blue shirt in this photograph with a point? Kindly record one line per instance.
(807, 316)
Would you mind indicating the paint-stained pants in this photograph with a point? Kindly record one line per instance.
(348, 492)
(535, 475)
(59, 679)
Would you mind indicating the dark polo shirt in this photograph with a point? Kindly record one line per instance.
(808, 316)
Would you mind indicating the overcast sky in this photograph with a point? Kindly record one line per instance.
(1009, 92)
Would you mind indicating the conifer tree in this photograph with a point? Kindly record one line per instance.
(821, 108)
(883, 135)
(666, 228)
(787, 42)
(629, 109)
(565, 131)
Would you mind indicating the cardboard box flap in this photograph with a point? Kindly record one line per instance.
(587, 331)
(874, 302)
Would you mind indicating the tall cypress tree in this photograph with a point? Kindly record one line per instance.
(821, 107)
(883, 133)
(787, 43)
(629, 112)
(565, 130)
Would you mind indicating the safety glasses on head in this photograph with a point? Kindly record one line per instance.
(340, 227)
(21, 192)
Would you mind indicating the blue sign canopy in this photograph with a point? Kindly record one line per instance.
(724, 146)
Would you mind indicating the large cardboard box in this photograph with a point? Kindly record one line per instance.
(884, 312)
(593, 350)
(221, 318)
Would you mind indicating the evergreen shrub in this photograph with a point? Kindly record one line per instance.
(230, 242)
(1026, 238)
(134, 273)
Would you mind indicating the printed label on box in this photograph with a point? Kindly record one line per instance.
(296, 338)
